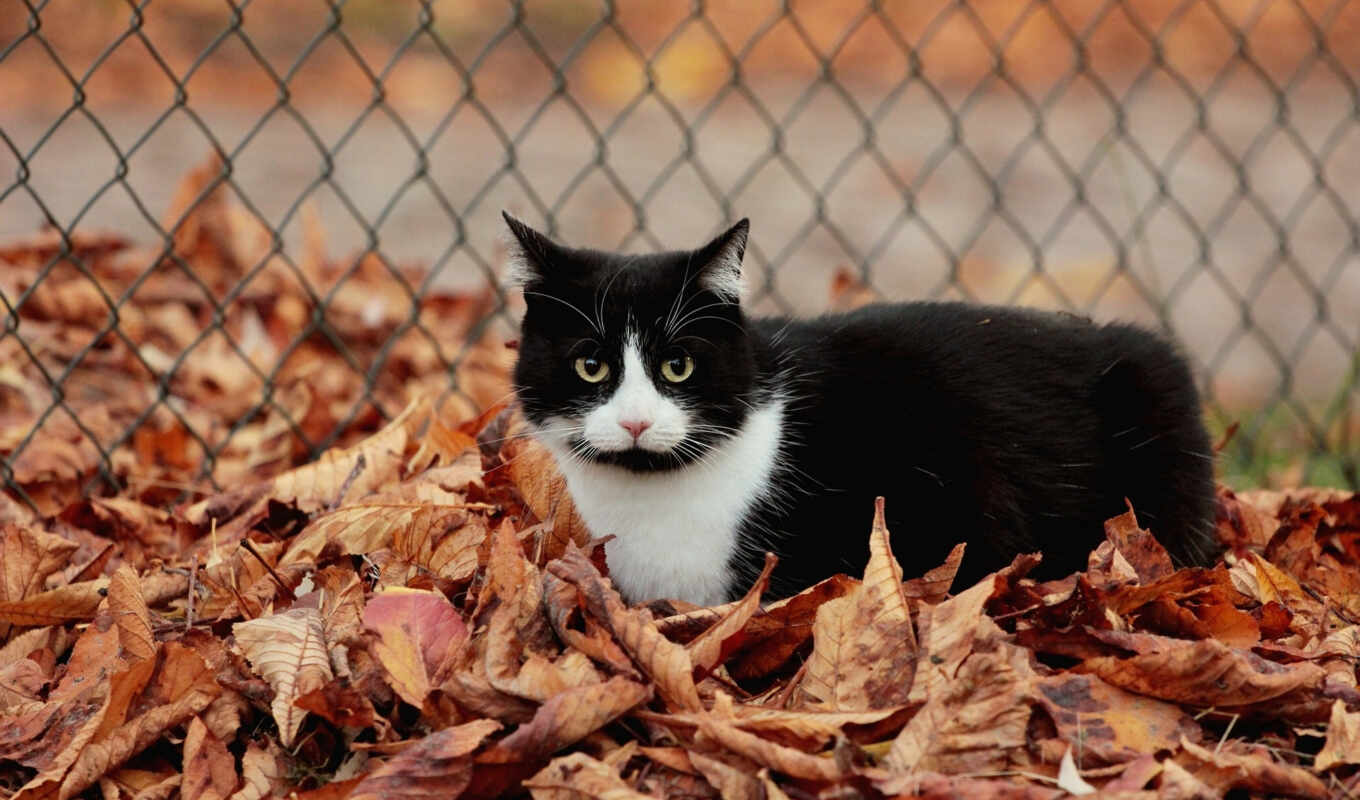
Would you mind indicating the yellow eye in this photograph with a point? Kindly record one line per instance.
(592, 370)
(677, 369)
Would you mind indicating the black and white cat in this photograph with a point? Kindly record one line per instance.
(700, 438)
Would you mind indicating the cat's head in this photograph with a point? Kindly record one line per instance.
(640, 361)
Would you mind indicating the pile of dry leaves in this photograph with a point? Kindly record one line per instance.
(419, 613)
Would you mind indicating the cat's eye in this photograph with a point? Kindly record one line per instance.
(677, 369)
(591, 370)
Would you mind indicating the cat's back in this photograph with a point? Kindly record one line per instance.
(1030, 427)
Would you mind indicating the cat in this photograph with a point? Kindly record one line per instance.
(699, 437)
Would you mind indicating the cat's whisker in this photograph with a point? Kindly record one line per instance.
(687, 318)
(568, 304)
(734, 324)
(602, 297)
(675, 308)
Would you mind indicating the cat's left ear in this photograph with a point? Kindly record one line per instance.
(721, 273)
(532, 255)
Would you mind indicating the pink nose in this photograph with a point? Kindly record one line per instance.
(635, 427)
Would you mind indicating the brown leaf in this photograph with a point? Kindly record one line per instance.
(732, 783)
(808, 730)
(27, 558)
(414, 532)
(338, 475)
(562, 601)
(1205, 673)
(1191, 603)
(75, 602)
(712, 647)
(534, 472)
(1249, 769)
(197, 690)
(1107, 725)
(512, 669)
(864, 647)
(774, 636)
(947, 634)
(209, 768)
(130, 614)
(779, 758)
(264, 772)
(578, 775)
(566, 719)
(1342, 746)
(973, 721)
(437, 766)
(936, 785)
(342, 706)
(933, 587)
(419, 633)
(342, 604)
(288, 650)
(665, 662)
(1139, 547)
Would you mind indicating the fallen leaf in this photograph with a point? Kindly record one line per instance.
(27, 558)
(209, 768)
(1254, 771)
(1109, 725)
(264, 772)
(975, 721)
(419, 635)
(712, 647)
(74, 602)
(110, 748)
(579, 775)
(565, 719)
(1342, 746)
(1206, 674)
(1139, 547)
(731, 782)
(666, 663)
(864, 648)
(437, 766)
(288, 650)
(130, 614)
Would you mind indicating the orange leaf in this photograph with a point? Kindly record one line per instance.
(209, 768)
(864, 649)
(665, 662)
(438, 765)
(579, 775)
(711, 647)
(130, 614)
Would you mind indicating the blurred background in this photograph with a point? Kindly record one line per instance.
(1192, 165)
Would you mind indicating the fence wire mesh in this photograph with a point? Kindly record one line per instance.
(1187, 164)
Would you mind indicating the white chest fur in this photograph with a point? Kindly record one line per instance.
(675, 532)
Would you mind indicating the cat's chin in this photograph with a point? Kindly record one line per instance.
(638, 460)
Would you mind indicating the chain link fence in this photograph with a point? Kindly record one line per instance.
(1190, 165)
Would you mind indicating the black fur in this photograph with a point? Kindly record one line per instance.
(1011, 429)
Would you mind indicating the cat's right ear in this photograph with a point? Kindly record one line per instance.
(532, 254)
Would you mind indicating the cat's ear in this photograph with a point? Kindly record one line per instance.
(532, 255)
(721, 258)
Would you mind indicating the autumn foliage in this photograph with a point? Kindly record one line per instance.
(419, 612)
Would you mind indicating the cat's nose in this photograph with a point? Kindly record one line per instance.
(635, 426)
